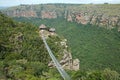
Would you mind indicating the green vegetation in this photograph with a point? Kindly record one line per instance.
(22, 52)
(96, 75)
(24, 57)
(96, 47)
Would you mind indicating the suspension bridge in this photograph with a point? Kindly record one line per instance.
(62, 72)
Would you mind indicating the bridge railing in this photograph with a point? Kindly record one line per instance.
(57, 64)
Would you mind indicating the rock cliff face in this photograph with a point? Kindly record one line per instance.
(102, 15)
(100, 20)
(48, 14)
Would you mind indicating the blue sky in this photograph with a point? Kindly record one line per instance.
(18, 2)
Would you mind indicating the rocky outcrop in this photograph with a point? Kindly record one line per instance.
(48, 14)
(22, 13)
(100, 20)
(66, 60)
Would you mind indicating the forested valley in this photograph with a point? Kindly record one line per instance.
(23, 55)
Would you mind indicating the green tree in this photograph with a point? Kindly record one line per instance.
(108, 74)
(79, 75)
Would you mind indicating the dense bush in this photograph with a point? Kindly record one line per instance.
(22, 52)
(106, 74)
(96, 47)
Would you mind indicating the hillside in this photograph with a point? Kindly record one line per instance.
(82, 25)
(96, 47)
(23, 55)
(103, 15)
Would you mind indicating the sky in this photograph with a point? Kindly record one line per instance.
(7, 3)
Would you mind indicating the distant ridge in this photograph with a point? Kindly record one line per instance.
(95, 14)
(3, 7)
